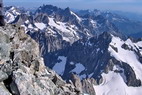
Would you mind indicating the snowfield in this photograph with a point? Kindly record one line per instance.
(126, 56)
(41, 26)
(114, 83)
(60, 67)
(64, 29)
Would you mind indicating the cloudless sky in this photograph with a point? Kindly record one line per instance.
(122, 5)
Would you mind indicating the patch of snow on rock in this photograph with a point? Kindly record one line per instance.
(60, 67)
(41, 26)
(78, 68)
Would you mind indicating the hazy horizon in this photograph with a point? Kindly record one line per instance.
(134, 6)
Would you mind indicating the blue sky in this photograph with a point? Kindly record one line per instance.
(123, 5)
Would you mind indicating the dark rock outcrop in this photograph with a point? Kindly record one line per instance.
(2, 23)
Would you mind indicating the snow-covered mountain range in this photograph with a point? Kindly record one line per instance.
(89, 45)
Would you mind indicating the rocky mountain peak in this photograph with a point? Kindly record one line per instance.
(22, 69)
(67, 10)
(105, 36)
(49, 9)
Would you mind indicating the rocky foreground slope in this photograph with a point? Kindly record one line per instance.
(22, 71)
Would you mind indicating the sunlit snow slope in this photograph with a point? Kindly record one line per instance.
(113, 82)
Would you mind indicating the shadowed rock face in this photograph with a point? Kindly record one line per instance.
(1, 13)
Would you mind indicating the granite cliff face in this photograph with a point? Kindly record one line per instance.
(23, 71)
